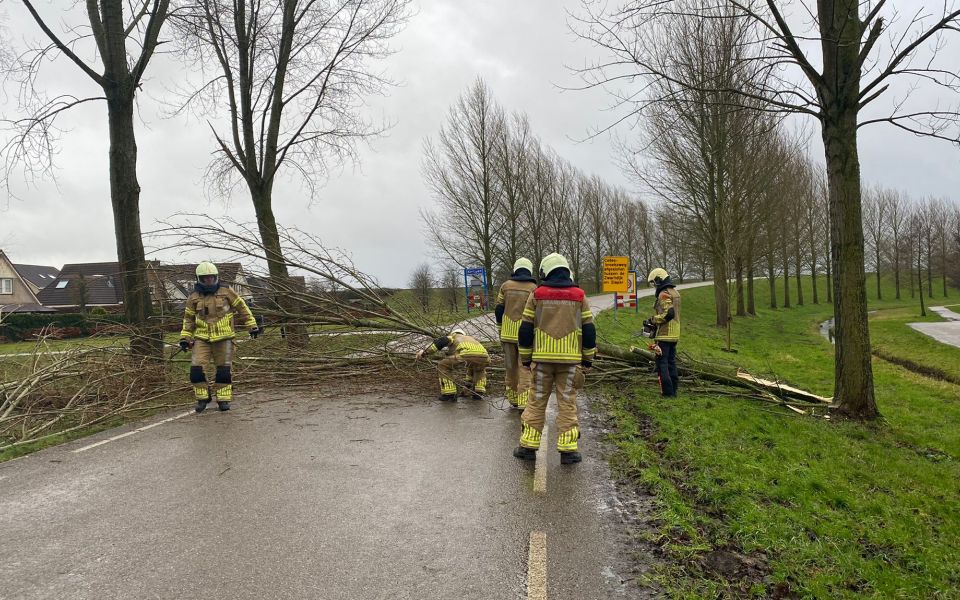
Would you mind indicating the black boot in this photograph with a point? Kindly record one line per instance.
(201, 405)
(447, 398)
(223, 405)
(524, 453)
(569, 458)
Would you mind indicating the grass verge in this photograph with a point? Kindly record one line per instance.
(759, 502)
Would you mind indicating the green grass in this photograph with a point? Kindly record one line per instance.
(834, 509)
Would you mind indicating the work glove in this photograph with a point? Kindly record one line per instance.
(255, 332)
(419, 354)
(586, 364)
(184, 345)
(527, 364)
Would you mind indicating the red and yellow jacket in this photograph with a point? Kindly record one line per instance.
(557, 325)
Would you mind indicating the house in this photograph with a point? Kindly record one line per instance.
(262, 291)
(16, 292)
(37, 276)
(84, 285)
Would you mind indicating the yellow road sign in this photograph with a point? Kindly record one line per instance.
(615, 273)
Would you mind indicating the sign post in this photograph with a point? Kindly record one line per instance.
(615, 277)
(629, 299)
(470, 277)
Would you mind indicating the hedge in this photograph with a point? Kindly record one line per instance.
(25, 326)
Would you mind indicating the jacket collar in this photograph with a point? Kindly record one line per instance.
(522, 275)
(206, 290)
(558, 278)
(666, 283)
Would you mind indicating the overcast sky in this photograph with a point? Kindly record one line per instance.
(519, 47)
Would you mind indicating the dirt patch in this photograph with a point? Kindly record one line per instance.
(924, 370)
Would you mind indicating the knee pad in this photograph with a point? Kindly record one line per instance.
(223, 375)
(196, 374)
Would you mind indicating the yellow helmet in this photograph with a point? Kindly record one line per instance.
(656, 274)
(207, 268)
(523, 263)
(551, 262)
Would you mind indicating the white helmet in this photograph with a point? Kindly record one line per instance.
(458, 331)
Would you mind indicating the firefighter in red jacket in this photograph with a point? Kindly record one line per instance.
(558, 342)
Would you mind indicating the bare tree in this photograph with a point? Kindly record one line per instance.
(286, 78)
(842, 95)
(123, 45)
(897, 216)
(460, 168)
(421, 284)
(875, 220)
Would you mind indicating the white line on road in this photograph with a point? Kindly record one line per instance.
(540, 466)
(537, 566)
(129, 433)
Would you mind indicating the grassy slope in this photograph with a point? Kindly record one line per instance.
(839, 509)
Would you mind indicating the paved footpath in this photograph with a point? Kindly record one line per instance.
(359, 497)
(947, 332)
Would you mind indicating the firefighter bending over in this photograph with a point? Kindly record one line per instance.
(558, 341)
(666, 323)
(460, 348)
(208, 329)
(511, 301)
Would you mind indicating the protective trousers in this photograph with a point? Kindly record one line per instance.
(518, 379)
(476, 373)
(667, 368)
(564, 379)
(222, 355)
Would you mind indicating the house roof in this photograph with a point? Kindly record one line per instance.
(102, 282)
(38, 275)
(261, 290)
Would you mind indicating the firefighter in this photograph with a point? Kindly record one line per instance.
(460, 348)
(511, 301)
(208, 329)
(557, 341)
(666, 324)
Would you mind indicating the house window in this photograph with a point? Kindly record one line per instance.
(6, 286)
(62, 284)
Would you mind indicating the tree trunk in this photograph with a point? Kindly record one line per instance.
(929, 265)
(772, 281)
(721, 294)
(751, 292)
(786, 278)
(262, 196)
(741, 305)
(854, 373)
(923, 310)
(799, 278)
(125, 197)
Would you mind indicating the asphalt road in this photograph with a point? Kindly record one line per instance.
(360, 497)
(947, 332)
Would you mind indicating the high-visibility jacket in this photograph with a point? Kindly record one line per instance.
(666, 316)
(511, 300)
(557, 325)
(459, 345)
(210, 317)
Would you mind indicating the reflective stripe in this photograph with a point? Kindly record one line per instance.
(201, 392)
(509, 330)
(521, 398)
(549, 349)
(567, 441)
(447, 386)
(530, 437)
(224, 393)
(529, 313)
(586, 315)
(471, 349)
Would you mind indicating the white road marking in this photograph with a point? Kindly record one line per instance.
(129, 433)
(537, 566)
(540, 467)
